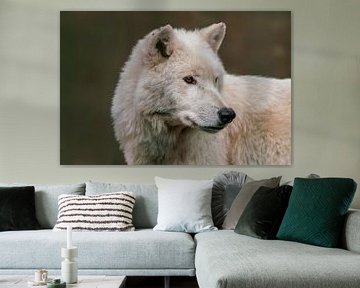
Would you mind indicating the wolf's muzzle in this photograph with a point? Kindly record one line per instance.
(226, 115)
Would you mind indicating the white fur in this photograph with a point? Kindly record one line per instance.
(160, 119)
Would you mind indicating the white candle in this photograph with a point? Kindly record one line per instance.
(69, 237)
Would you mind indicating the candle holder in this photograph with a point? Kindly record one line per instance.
(69, 272)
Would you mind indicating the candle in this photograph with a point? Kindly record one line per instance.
(69, 237)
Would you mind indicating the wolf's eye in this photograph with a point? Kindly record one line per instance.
(216, 80)
(190, 80)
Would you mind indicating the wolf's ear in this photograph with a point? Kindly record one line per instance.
(160, 43)
(214, 35)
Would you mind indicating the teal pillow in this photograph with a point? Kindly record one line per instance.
(316, 211)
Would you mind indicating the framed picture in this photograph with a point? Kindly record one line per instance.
(175, 88)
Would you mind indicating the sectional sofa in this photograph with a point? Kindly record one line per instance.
(218, 258)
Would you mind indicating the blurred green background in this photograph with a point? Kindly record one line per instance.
(95, 45)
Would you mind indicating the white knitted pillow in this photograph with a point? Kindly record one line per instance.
(105, 212)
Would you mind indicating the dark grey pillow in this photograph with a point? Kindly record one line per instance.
(226, 187)
(243, 198)
(263, 214)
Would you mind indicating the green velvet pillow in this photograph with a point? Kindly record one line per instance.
(316, 211)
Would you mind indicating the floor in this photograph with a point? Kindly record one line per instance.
(158, 282)
(131, 282)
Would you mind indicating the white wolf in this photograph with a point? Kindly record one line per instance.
(175, 104)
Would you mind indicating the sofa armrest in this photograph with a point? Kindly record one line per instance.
(351, 234)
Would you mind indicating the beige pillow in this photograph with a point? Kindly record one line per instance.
(104, 212)
(243, 198)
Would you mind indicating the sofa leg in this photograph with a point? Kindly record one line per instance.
(167, 282)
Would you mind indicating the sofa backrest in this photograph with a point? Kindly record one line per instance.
(146, 203)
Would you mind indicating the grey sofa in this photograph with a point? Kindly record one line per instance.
(218, 259)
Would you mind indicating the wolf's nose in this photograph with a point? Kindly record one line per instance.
(226, 115)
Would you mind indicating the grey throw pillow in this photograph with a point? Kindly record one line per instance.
(184, 205)
(146, 205)
(226, 187)
(242, 199)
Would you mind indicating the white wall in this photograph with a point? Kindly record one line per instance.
(326, 91)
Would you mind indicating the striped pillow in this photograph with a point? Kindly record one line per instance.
(105, 212)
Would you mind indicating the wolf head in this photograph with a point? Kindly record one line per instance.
(177, 77)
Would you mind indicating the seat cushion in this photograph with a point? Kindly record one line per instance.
(143, 249)
(226, 259)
